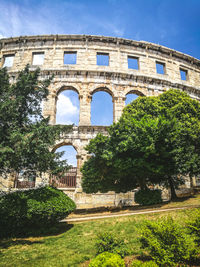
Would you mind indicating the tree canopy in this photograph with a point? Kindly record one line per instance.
(25, 135)
(156, 141)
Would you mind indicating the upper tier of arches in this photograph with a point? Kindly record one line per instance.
(126, 67)
(94, 105)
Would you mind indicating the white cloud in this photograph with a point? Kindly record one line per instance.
(47, 17)
(113, 28)
(65, 106)
(2, 36)
(26, 18)
(105, 26)
(67, 112)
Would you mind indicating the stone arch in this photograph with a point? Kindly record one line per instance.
(102, 88)
(67, 143)
(68, 87)
(136, 91)
(105, 116)
(75, 107)
(69, 177)
(132, 94)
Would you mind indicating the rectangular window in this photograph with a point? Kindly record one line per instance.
(102, 59)
(160, 68)
(38, 58)
(8, 61)
(69, 58)
(133, 63)
(183, 74)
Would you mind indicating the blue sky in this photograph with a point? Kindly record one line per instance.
(172, 23)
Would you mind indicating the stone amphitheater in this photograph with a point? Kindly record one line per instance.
(138, 67)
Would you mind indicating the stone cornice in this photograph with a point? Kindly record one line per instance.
(112, 76)
(84, 130)
(23, 40)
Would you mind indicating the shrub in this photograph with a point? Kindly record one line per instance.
(138, 263)
(108, 242)
(148, 197)
(194, 224)
(167, 242)
(107, 259)
(22, 211)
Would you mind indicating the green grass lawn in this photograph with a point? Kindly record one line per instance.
(74, 244)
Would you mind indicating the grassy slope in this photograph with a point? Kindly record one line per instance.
(70, 245)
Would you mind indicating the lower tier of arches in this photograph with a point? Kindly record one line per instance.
(79, 138)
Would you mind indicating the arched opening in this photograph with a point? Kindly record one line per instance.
(69, 154)
(67, 107)
(67, 179)
(101, 108)
(131, 96)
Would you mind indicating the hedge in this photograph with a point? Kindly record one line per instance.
(21, 211)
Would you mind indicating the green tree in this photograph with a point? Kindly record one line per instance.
(155, 142)
(25, 135)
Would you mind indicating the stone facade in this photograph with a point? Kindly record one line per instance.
(86, 77)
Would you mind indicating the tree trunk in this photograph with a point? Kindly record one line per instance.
(172, 188)
(192, 183)
(16, 176)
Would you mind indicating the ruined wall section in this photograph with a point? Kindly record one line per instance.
(86, 77)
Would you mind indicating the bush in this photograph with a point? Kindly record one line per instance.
(167, 242)
(138, 263)
(22, 211)
(108, 242)
(148, 197)
(107, 259)
(194, 225)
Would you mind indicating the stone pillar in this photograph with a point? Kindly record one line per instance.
(49, 108)
(42, 179)
(80, 160)
(193, 181)
(85, 110)
(7, 181)
(118, 105)
(78, 177)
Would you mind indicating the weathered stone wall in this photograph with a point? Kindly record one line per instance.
(86, 77)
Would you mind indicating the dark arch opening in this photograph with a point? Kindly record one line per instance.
(67, 106)
(101, 108)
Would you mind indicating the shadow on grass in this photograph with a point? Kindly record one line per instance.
(48, 231)
(130, 208)
(181, 199)
(57, 229)
(10, 242)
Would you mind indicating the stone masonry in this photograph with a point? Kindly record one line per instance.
(86, 77)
